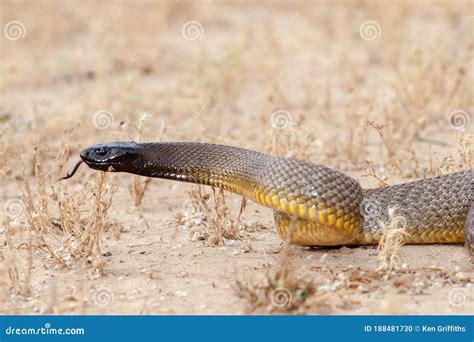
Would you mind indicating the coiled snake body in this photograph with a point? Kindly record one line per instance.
(313, 204)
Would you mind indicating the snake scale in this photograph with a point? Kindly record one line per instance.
(313, 205)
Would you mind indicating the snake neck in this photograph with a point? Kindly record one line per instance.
(230, 168)
(325, 202)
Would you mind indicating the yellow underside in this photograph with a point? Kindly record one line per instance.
(332, 226)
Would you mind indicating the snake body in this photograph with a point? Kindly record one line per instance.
(313, 204)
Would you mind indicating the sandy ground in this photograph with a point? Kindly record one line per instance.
(314, 80)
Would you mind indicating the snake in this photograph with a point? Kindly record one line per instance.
(313, 205)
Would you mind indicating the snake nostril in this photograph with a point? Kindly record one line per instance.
(84, 154)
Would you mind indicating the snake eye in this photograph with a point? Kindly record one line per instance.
(102, 152)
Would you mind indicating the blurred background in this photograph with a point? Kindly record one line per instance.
(216, 71)
(381, 90)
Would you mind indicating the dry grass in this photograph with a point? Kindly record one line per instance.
(354, 289)
(280, 291)
(276, 293)
(391, 240)
(138, 185)
(62, 236)
(212, 220)
(290, 79)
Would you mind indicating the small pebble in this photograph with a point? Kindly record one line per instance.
(180, 294)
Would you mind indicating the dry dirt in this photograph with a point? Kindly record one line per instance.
(381, 91)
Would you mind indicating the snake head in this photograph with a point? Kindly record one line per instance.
(115, 156)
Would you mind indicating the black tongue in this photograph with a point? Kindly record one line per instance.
(72, 172)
